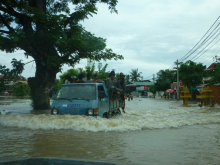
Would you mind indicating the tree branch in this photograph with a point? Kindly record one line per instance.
(10, 10)
(6, 24)
(3, 31)
(24, 19)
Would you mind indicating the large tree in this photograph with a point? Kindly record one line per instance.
(51, 33)
(192, 73)
(164, 79)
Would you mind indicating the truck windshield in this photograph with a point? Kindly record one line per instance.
(77, 92)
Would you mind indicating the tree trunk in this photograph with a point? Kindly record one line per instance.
(43, 79)
(39, 97)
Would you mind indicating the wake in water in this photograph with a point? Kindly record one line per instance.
(141, 114)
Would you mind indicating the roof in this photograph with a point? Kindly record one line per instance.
(24, 82)
(143, 83)
(130, 85)
(212, 66)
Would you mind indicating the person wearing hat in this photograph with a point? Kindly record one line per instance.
(113, 86)
(122, 82)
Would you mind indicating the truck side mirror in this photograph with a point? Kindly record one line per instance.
(102, 94)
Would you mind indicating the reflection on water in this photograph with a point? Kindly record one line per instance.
(151, 132)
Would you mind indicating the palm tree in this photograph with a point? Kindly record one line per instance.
(135, 75)
(127, 78)
(90, 69)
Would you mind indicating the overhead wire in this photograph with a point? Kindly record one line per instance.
(215, 38)
(198, 44)
(211, 55)
(202, 44)
(206, 49)
(204, 41)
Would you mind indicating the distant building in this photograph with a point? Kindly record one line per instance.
(142, 88)
(212, 66)
(10, 82)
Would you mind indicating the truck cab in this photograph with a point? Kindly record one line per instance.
(91, 99)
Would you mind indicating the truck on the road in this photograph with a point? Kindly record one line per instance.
(89, 98)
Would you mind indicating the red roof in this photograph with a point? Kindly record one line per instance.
(212, 66)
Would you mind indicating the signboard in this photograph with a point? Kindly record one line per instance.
(145, 87)
(173, 86)
(141, 88)
(181, 83)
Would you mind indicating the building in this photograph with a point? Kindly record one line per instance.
(142, 88)
(208, 70)
(10, 82)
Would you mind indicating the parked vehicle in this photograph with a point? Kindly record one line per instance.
(91, 99)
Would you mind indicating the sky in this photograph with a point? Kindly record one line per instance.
(150, 34)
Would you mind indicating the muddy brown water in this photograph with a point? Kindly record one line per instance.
(153, 131)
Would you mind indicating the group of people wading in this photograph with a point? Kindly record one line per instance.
(115, 86)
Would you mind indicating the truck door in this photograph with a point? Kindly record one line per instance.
(103, 102)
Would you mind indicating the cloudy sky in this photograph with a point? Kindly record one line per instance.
(150, 34)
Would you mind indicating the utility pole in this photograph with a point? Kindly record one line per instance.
(178, 83)
(153, 78)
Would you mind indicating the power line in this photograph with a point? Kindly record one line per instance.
(208, 58)
(189, 53)
(204, 42)
(206, 49)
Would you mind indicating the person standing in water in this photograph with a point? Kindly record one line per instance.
(131, 96)
(122, 82)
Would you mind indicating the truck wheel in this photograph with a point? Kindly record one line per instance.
(105, 115)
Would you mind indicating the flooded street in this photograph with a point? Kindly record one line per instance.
(153, 131)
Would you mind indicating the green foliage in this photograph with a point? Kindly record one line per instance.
(102, 71)
(192, 73)
(19, 90)
(152, 89)
(135, 75)
(2, 85)
(50, 32)
(215, 74)
(56, 86)
(90, 69)
(17, 69)
(70, 72)
(127, 79)
(164, 79)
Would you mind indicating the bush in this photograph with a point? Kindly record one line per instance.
(19, 90)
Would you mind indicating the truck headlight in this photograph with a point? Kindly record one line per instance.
(54, 111)
(90, 112)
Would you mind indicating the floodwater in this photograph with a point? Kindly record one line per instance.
(153, 131)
